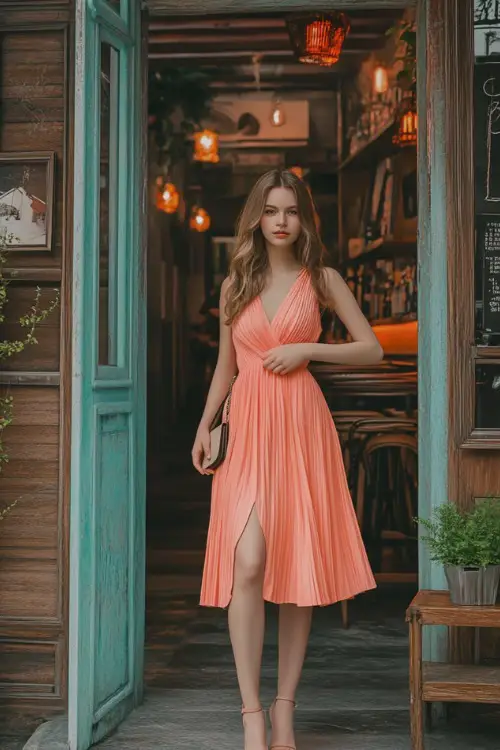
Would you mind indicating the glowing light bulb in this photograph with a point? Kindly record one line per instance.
(278, 117)
(380, 80)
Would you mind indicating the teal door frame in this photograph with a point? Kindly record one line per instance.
(108, 463)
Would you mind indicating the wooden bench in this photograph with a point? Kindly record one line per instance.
(446, 682)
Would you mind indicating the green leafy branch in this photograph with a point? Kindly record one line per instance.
(406, 33)
(29, 323)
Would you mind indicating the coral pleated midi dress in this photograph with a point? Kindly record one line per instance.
(284, 459)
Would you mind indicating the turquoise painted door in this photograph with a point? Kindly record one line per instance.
(107, 537)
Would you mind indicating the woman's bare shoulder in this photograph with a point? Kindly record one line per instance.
(332, 278)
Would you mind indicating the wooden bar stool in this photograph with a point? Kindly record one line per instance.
(383, 451)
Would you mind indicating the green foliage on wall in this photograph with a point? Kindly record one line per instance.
(10, 347)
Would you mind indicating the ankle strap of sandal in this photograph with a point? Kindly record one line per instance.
(251, 710)
(287, 700)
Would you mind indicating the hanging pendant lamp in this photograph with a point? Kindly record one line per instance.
(206, 146)
(407, 120)
(167, 197)
(200, 220)
(318, 38)
(278, 115)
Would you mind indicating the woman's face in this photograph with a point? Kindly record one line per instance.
(280, 223)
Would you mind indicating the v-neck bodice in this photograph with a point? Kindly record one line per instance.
(297, 320)
(284, 300)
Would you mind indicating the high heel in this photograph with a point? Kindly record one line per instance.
(271, 709)
(245, 711)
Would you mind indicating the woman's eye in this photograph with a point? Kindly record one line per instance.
(293, 212)
(269, 211)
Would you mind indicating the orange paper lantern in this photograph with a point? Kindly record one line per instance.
(206, 146)
(318, 38)
(168, 198)
(200, 220)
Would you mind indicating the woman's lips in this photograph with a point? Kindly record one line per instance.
(281, 234)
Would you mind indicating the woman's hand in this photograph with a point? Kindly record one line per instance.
(286, 358)
(201, 449)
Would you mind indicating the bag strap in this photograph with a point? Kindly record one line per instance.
(227, 403)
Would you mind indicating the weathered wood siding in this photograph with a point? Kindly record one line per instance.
(35, 89)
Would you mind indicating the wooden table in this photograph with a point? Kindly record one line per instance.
(446, 682)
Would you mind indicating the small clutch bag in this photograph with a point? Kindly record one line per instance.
(219, 434)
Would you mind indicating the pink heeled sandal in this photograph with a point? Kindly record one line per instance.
(245, 711)
(271, 709)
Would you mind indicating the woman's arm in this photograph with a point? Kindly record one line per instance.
(226, 365)
(364, 348)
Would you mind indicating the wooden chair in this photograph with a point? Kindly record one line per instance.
(383, 453)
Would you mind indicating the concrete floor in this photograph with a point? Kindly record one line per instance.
(353, 694)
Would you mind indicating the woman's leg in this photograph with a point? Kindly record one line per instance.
(246, 626)
(294, 628)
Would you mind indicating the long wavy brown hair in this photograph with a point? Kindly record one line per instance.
(250, 263)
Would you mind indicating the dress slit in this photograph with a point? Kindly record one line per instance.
(238, 539)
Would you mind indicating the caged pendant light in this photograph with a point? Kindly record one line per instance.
(407, 132)
(318, 38)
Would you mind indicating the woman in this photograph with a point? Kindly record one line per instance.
(282, 527)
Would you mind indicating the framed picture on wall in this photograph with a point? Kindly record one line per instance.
(26, 200)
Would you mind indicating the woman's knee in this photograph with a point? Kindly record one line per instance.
(249, 567)
(250, 554)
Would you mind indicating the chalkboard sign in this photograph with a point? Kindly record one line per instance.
(488, 246)
(487, 135)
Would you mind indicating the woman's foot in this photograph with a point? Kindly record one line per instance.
(281, 716)
(254, 724)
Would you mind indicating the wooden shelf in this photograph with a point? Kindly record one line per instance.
(385, 249)
(379, 147)
(487, 353)
(440, 682)
(458, 682)
(436, 608)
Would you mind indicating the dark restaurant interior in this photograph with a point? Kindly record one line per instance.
(332, 97)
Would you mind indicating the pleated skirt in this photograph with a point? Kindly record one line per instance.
(284, 459)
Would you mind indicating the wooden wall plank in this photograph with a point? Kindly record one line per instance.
(29, 589)
(34, 406)
(24, 664)
(30, 529)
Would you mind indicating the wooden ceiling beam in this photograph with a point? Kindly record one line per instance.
(217, 9)
(224, 37)
(226, 56)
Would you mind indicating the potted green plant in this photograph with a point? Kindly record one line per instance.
(467, 544)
